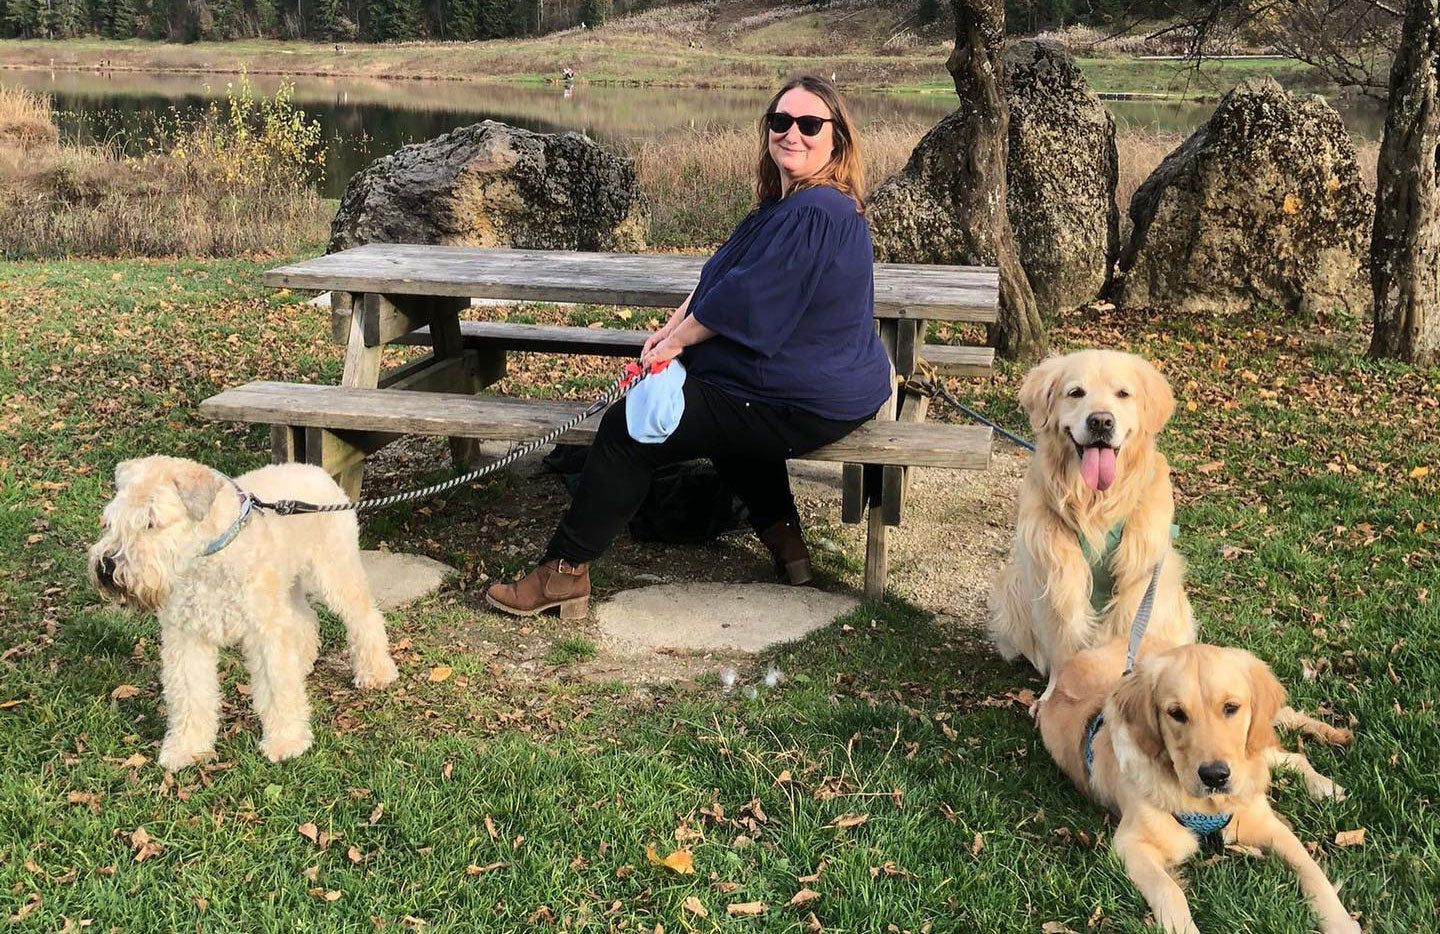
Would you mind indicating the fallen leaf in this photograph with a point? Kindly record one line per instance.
(354, 855)
(783, 777)
(1205, 469)
(681, 861)
(473, 870)
(490, 828)
(745, 909)
(695, 907)
(1419, 473)
(6, 705)
(440, 673)
(1243, 849)
(124, 691)
(977, 845)
(849, 820)
(1350, 837)
(92, 801)
(802, 898)
(144, 846)
(30, 905)
(333, 895)
(309, 832)
(1055, 927)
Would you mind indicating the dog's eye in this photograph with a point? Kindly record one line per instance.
(1231, 709)
(1178, 715)
(1076, 393)
(1122, 393)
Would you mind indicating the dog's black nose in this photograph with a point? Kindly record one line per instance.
(1214, 774)
(1100, 423)
(105, 570)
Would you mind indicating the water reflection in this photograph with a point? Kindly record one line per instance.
(365, 118)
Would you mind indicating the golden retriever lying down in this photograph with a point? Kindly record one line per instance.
(1096, 487)
(1189, 734)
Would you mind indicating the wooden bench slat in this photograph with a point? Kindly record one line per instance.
(941, 293)
(502, 418)
(568, 339)
(959, 360)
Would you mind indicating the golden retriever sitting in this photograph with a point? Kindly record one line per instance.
(1180, 747)
(1094, 516)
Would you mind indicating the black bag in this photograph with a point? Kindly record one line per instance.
(688, 503)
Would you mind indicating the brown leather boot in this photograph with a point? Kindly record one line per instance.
(557, 582)
(787, 547)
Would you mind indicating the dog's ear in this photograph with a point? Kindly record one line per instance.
(124, 471)
(1037, 391)
(1267, 696)
(197, 485)
(1135, 704)
(1157, 400)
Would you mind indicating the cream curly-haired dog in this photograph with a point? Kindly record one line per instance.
(1095, 513)
(251, 592)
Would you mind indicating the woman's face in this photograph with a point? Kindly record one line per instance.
(796, 155)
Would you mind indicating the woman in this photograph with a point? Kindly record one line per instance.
(779, 348)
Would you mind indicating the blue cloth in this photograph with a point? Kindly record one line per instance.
(791, 299)
(653, 408)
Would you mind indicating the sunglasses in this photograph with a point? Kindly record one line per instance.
(780, 123)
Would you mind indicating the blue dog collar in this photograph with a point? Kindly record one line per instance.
(247, 503)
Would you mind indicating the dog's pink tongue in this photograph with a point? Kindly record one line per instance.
(1097, 467)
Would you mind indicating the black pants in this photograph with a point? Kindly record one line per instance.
(747, 441)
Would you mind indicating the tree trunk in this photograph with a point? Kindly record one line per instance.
(1405, 247)
(977, 65)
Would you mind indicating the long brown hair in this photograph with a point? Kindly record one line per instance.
(845, 171)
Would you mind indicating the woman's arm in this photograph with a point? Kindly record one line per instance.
(669, 326)
(686, 334)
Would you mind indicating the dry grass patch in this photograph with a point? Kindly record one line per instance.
(25, 119)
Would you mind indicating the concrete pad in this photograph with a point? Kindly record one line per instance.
(397, 579)
(716, 617)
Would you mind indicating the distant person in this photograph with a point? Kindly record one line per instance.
(779, 349)
(569, 74)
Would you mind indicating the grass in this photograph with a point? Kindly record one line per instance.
(569, 650)
(1309, 522)
(240, 179)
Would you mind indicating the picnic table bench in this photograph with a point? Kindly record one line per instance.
(384, 294)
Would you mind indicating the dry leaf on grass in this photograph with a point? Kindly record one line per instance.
(490, 828)
(144, 846)
(473, 870)
(745, 909)
(681, 861)
(309, 831)
(849, 820)
(440, 673)
(30, 905)
(332, 895)
(695, 907)
(802, 898)
(1350, 837)
(124, 691)
(1055, 927)
(977, 845)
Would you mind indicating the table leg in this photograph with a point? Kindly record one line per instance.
(482, 368)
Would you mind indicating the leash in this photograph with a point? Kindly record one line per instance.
(630, 377)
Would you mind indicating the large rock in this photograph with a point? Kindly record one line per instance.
(490, 184)
(1060, 174)
(1261, 205)
(912, 214)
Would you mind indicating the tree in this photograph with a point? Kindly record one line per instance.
(977, 64)
(1405, 245)
(594, 12)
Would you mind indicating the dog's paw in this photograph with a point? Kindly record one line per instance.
(1336, 736)
(1322, 787)
(376, 674)
(174, 757)
(280, 748)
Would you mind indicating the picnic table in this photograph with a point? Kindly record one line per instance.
(385, 294)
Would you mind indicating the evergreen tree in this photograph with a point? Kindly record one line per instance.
(462, 20)
(123, 19)
(928, 11)
(492, 20)
(525, 17)
(594, 12)
(393, 20)
(326, 21)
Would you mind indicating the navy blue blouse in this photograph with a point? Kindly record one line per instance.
(791, 299)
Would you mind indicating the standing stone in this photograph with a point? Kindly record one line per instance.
(1061, 170)
(1262, 205)
(491, 185)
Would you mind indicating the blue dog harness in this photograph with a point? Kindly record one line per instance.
(1201, 824)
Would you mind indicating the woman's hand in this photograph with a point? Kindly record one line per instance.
(664, 333)
(663, 351)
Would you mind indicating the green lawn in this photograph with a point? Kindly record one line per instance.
(1309, 521)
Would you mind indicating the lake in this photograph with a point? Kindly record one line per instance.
(366, 118)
